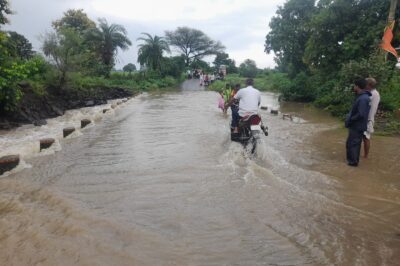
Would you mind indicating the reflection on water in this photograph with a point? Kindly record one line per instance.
(160, 183)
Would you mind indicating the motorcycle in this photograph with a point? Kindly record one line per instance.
(250, 130)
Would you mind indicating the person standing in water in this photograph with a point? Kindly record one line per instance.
(375, 99)
(356, 122)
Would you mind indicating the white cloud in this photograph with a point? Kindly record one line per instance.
(153, 10)
(239, 24)
(255, 52)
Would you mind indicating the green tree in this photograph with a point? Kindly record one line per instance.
(151, 51)
(173, 66)
(107, 39)
(193, 44)
(129, 68)
(63, 48)
(200, 64)
(248, 69)
(19, 46)
(343, 30)
(4, 10)
(11, 73)
(75, 19)
(223, 59)
(289, 35)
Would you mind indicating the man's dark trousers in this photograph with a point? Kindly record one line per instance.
(353, 146)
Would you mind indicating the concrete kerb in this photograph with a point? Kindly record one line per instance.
(46, 143)
(9, 162)
(85, 122)
(68, 131)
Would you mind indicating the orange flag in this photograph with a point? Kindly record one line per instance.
(387, 39)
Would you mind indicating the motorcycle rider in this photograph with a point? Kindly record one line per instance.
(249, 101)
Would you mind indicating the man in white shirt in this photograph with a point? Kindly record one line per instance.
(375, 99)
(249, 101)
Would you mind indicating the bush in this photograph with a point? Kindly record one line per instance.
(13, 72)
(390, 94)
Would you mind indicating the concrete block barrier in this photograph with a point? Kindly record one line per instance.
(274, 112)
(67, 131)
(288, 116)
(8, 163)
(85, 122)
(46, 143)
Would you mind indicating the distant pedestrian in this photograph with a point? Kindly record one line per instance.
(375, 99)
(356, 122)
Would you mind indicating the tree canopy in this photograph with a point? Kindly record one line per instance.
(324, 45)
(308, 36)
(223, 59)
(151, 51)
(129, 68)
(75, 19)
(248, 69)
(4, 10)
(193, 44)
(19, 46)
(107, 38)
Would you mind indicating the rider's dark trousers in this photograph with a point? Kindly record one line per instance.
(235, 116)
(353, 146)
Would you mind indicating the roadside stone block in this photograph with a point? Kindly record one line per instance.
(8, 163)
(46, 143)
(85, 122)
(67, 131)
(274, 112)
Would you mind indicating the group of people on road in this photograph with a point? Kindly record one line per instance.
(359, 121)
(361, 118)
(204, 78)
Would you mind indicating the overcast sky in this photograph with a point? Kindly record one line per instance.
(241, 25)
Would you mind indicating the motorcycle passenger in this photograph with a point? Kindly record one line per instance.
(227, 91)
(235, 109)
(249, 101)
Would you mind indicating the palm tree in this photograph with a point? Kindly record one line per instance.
(107, 39)
(151, 51)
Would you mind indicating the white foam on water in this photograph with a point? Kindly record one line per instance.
(25, 140)
(21, 166)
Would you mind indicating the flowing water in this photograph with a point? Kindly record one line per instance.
(158, 182)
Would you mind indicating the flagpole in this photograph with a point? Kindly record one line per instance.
(390, 20)
(392, 10)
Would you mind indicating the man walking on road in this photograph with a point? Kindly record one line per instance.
(356, 122)
(375, 99)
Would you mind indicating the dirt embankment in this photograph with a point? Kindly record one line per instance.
(35, 109)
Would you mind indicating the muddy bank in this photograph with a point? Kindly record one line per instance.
(35, 109)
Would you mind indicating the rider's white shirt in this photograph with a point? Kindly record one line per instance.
(250, 99)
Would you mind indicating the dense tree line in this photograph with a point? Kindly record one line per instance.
(322, 46)
(80, 53)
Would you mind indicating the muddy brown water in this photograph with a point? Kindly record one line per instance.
(158, 182)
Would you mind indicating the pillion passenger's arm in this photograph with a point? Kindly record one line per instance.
(229, 103)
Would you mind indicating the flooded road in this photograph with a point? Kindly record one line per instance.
(158, 182)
